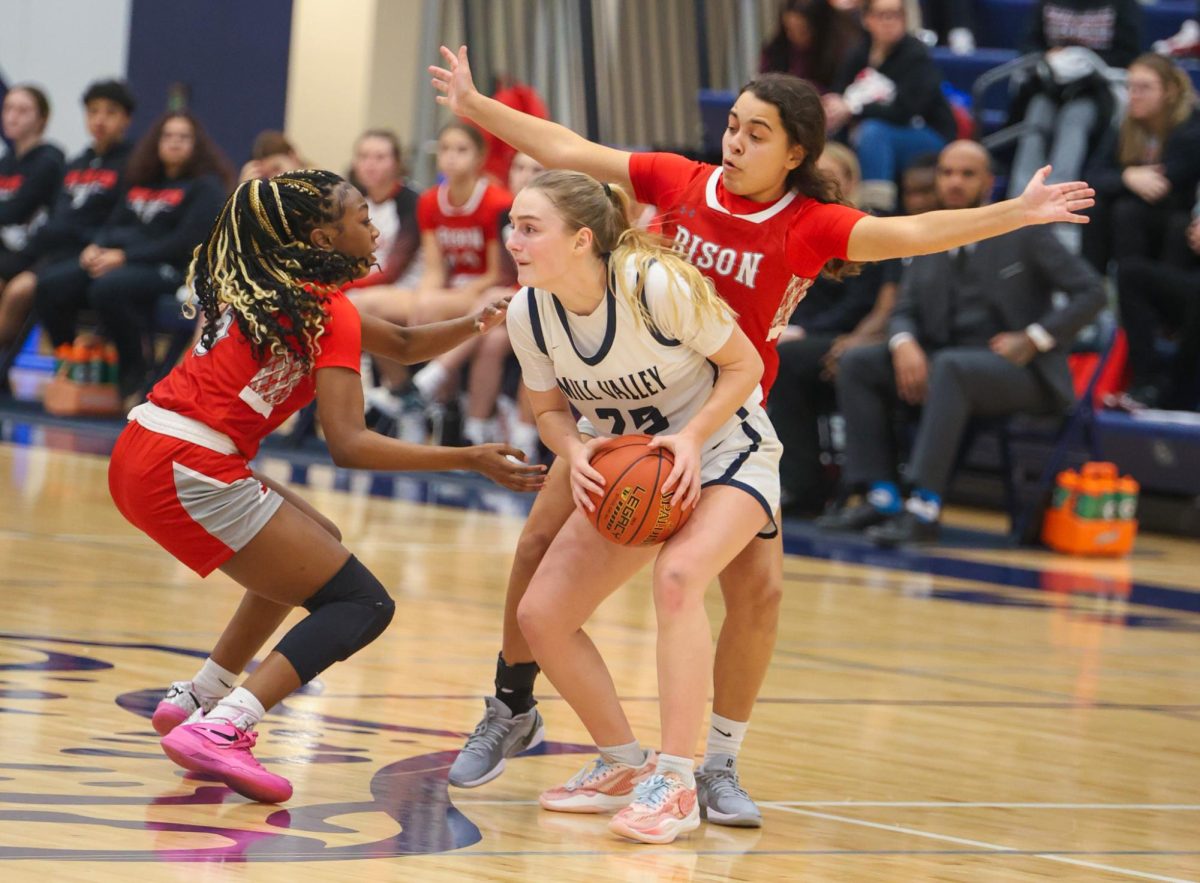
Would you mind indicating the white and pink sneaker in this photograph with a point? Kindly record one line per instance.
(220, 749)
(598, 787)
(663, 807)
(181, 702)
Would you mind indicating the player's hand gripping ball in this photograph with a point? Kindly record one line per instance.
(633, 510)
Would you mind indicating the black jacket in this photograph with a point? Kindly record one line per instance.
(29, 183)
(918, 87)
(88, 193)
(1180, 159)
(1026, 267)
(1110, 28)
(833, 307)
(162, 222)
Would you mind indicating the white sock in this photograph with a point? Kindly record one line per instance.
(525, 437)
(478, 430)
(429, 380)
(631, 753)
(725, 736)
(684, 767)
(240, 708)
(212, 681)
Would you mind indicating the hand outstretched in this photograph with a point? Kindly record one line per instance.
(1051, 203)
(454, 81)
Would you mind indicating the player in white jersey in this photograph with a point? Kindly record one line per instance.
(624, 329)
(628, 369)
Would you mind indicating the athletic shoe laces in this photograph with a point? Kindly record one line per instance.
(487, 736)
(244, 738)
(724, 783)
(652, 792)
(590, 772)
(182, 688)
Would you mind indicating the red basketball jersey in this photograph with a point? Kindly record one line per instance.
(463, 231)
(227, 389)
(761, 257)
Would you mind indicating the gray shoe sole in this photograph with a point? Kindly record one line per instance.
(538, 738)
(731, 820)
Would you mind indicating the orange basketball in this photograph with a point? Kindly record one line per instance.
(633, 510)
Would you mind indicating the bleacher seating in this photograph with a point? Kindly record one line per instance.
(1000, 30)
(1005, 23)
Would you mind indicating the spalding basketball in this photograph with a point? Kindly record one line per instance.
(633, 510)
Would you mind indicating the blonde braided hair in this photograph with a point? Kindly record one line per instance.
(257, 262)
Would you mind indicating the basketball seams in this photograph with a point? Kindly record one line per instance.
(613, 485)
(633, 440)
(655, 496)
(616, 506)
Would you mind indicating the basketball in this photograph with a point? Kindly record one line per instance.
(633, 510)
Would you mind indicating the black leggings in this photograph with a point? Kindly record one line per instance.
(123, 299)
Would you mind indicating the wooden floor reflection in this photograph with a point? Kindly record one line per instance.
(1009, 717)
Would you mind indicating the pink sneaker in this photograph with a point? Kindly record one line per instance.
(221, 749)
(598, 787)
(180, 703)
(662, 809)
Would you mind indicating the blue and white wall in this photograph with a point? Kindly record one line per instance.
(231, 56)
(62, 45)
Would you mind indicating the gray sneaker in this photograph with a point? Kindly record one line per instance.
(499, 735)
(722, 798)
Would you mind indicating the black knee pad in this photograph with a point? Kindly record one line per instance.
(345, 615)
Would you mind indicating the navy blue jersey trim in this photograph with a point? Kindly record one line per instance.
(655, 331)
(727, 478)
(610, 332)
(772, 529)
(755, 441)
(535, 322)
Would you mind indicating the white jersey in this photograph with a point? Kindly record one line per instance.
(621, 374)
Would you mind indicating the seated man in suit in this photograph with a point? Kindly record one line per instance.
(974, 333)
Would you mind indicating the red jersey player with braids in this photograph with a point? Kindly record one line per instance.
(761, 226)
(277, 331)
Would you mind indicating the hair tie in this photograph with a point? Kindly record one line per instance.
(607, 189)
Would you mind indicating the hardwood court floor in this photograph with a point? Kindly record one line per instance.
(951, 716)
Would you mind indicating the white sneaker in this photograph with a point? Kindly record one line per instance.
(961, 41)
(1182, 44)
(181, 704)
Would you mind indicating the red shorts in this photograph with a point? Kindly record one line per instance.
(200, 505)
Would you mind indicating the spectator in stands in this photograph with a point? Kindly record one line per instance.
(459, 222)
(918, 185)
(271, 154)
(87, 193)
(1069, 101)
(487, 356)
(1146, 173)
(460, 236)
(890, 93)
(29, 175)
(1164, 296)
(834, 317)
(378, 171)
(951, 21)
(974, 333)
(812, 42)
(176, 178)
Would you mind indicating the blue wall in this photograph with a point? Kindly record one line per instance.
(232, 56)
